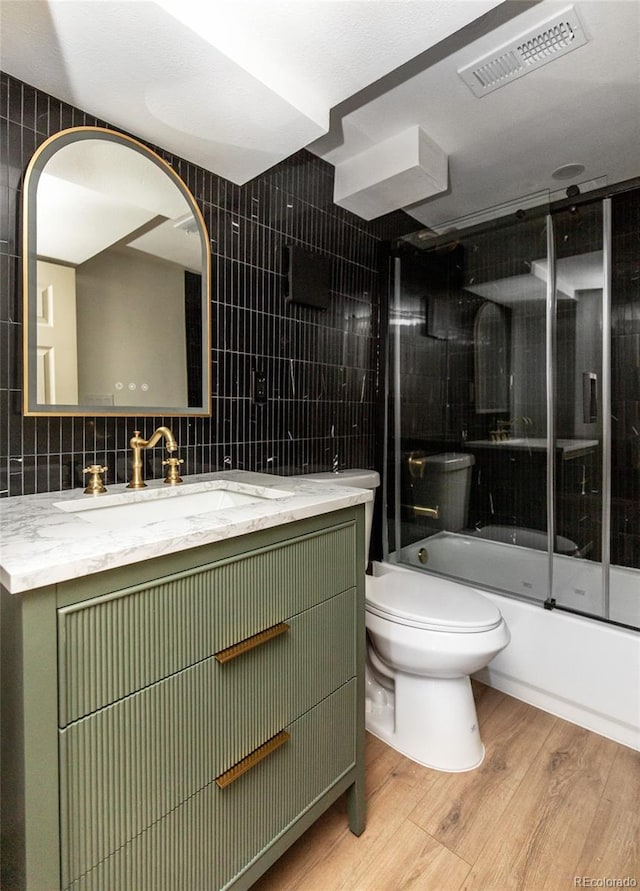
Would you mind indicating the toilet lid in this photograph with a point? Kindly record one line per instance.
(426, 601)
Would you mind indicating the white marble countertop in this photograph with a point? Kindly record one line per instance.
(536, 444)
(41, 543)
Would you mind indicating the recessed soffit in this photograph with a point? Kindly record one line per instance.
(234, 86)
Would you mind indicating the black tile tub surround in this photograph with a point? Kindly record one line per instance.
(320, 366)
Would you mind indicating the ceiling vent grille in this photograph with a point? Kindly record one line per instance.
(553, 38)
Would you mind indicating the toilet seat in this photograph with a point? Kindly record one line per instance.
(431, 603)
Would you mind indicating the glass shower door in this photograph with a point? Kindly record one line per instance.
(598, 488)
(514, 448)
(580, 406)
(469, 405)
(624, 532)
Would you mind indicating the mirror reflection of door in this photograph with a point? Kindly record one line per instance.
(57, 340)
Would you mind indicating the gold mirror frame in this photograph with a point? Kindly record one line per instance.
(151, 335)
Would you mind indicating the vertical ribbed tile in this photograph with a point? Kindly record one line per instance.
(249, 227)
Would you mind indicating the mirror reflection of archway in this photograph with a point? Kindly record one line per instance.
(491, 342)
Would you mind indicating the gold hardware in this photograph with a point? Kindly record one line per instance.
(423, 555)
(230, 776)
(416, 467)
(96, 483)
(250, 643)
(432, 512)
(138, 444)
(45, 155)
(503, 433)
(173, 477)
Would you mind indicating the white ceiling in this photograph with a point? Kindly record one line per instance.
(94, 195)
(582, 272)
(236, 86)
(581, 108)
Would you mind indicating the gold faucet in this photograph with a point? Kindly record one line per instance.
(96, 483)
(138, 444)
(503, 433)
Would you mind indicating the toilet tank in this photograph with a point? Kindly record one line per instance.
(358, 479)
(441, 482)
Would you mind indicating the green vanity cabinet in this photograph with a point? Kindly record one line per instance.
(178, 723)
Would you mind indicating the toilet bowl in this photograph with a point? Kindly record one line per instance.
(425, 636)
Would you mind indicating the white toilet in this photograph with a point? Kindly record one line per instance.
(426, 635)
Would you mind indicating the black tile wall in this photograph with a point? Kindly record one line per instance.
(625, 380)
(321, 366)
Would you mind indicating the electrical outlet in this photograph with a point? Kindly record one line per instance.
(258, 387)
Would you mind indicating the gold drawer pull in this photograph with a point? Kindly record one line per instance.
(251, 643)
(229, 776)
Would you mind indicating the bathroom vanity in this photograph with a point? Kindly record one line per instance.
(181, 698)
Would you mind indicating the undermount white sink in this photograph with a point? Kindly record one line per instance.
(140, 508)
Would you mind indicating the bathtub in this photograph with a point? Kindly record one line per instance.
(577, 668)
(523, 571)
(526, 538)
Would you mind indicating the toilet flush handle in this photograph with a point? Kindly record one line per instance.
(432, 512)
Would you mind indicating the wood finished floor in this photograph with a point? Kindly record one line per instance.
(551, 802)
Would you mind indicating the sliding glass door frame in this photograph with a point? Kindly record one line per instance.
(606, 404)
(554, 598)
(551, 358)
(392, 525)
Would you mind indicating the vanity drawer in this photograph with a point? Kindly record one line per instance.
(213, 835)
(127, 766)
(267, 687)
(114, 645)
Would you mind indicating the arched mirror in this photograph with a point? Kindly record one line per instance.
(116, 282)
(491, 343)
